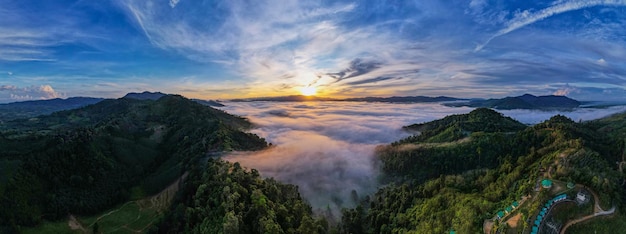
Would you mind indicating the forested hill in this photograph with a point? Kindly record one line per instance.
(456, 183)
(455, 127)
(86, 160)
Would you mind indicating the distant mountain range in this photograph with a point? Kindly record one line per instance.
(157, 95)
(396, 99)
(291, 98)
(526, 101)
(29, 109)
(302, 98)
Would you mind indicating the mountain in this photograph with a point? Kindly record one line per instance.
(145, 95)
(408, 99)
(444, 183)
(87, 160)
(302, 98)
(292, 98)
(455, 127)
(29, 109)
(208, 102)
(526, 101)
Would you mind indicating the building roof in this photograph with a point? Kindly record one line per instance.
(546, 183)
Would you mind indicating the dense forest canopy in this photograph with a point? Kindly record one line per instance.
(86, 160)
(453, 174)
(463, 168)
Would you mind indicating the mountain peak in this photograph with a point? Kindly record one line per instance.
(146, 95)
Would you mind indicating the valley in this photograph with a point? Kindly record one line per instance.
(457, 174)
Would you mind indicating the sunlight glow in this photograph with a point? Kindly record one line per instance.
(308, 90)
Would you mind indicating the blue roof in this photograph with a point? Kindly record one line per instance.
(500, 214)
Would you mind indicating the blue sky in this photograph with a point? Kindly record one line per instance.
(230, 49)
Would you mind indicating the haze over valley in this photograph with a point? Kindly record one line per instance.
(327, 148)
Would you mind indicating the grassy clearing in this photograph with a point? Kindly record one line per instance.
(570, 211)
(131, 217)
(607, 224)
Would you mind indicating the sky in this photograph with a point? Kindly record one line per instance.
(235, 49)
(328, 149)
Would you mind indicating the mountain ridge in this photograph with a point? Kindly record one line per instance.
(526, 101)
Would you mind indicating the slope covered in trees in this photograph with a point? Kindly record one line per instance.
(86, 160)
(225, 198)
(455, 185)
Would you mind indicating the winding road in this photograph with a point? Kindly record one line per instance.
(597, 211)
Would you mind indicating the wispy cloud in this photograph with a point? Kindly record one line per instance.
(345, 48)
(24, 45)
(526, 17)
(173, 3)
(277, 44)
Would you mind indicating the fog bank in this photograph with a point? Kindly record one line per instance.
(326, 148)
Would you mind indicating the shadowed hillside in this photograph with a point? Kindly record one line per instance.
(86, 160)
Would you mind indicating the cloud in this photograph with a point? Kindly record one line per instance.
(326, 148)
(526, 17)
(173, 3)
(11, 93)
(565, 91)
(581, 114)
(357, 67)
(280, 46)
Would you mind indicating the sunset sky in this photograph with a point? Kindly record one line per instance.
(233, 49)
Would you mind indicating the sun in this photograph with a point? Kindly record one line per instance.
(308, 90)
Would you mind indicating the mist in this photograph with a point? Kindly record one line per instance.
(326, 148)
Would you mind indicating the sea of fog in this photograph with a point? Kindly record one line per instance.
(326, 148)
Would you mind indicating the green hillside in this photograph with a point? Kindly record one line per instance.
(455, 127)
(456, 183)
(87, 160)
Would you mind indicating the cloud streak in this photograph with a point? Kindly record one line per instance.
(237, 49)
(525, 18)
